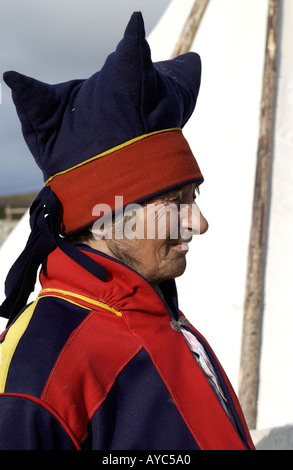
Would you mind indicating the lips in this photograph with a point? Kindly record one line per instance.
(181, 246)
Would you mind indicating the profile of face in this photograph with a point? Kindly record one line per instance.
(155, 241)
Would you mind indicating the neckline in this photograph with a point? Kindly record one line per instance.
(124, 287)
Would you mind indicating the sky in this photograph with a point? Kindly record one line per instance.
(54, 41)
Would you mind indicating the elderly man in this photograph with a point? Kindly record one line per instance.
(103, 358)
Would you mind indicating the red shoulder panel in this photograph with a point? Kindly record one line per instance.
(87, 367)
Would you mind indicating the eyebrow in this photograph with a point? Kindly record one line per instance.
(178, 193)
(172, 194)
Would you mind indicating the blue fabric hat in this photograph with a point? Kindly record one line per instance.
(68, 123)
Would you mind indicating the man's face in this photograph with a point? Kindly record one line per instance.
(159, 253)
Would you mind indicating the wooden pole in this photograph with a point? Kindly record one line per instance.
(185, 40)
(253, 305)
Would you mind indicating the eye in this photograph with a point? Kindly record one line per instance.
(175, 200)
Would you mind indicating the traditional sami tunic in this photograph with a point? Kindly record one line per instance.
(98, 365)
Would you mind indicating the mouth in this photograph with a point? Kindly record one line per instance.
(182, 247)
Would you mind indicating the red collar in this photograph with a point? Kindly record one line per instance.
(123, 290)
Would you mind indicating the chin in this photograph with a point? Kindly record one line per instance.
(180, 272)
(177, 268)
(172, 269)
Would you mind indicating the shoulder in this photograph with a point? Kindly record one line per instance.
(97, 351)
(63, 359)
(54, 335)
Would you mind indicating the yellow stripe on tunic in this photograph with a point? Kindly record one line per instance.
(11, 340)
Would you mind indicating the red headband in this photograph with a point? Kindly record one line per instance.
(137, 170)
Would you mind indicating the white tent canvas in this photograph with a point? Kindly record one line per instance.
(223, 134)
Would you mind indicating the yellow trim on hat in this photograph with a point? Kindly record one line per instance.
(112, 150)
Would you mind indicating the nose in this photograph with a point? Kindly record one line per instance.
(204, 225)
(193, 221)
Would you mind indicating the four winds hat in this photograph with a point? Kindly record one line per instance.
(118, 132)
(115, 133)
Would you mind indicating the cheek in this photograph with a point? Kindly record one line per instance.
(156, 250)
(153, 255)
